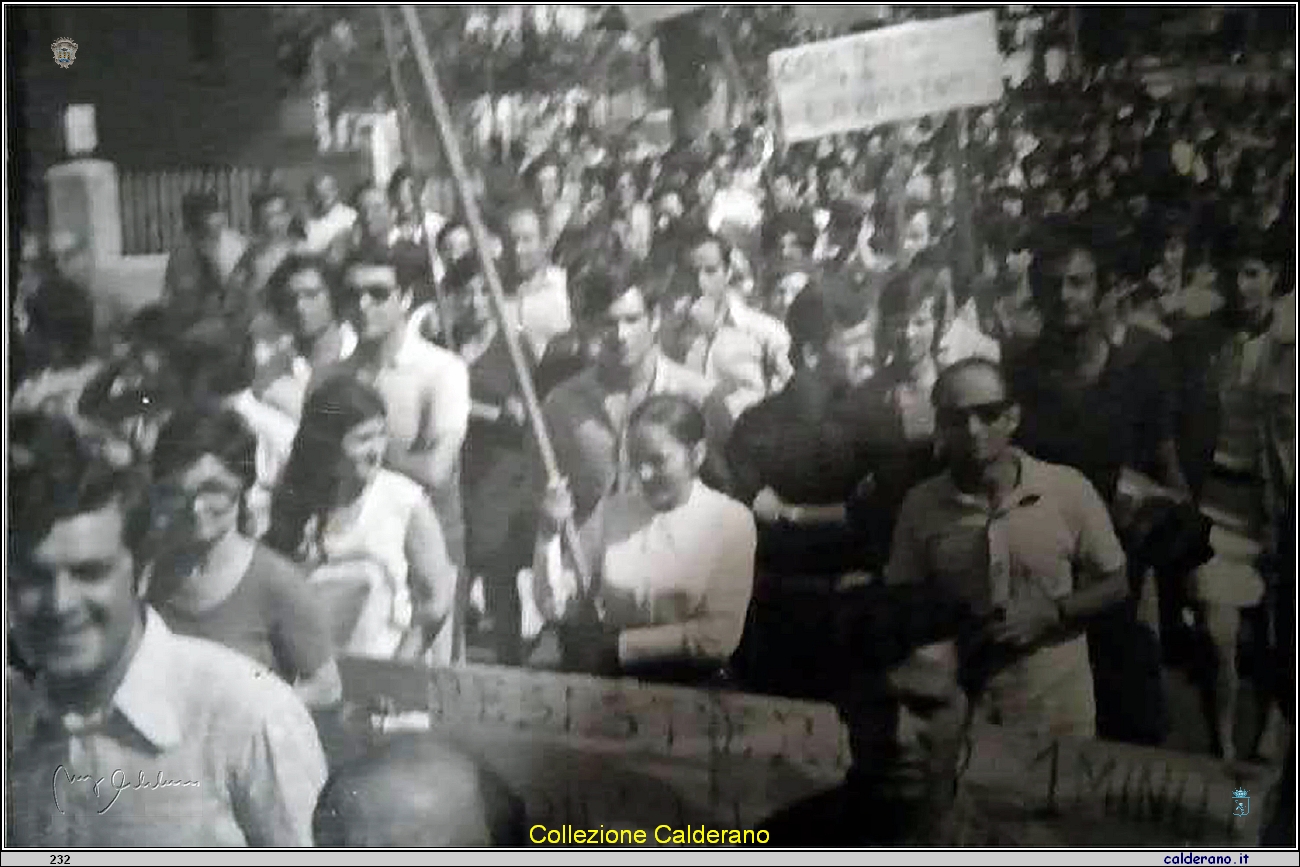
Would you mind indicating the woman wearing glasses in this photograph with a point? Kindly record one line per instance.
(338, 511)
(209, 579)
(672, 561)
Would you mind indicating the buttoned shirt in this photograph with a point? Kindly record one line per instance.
(540, 311)
(728, 357)
(591, 446)
(770, 333)
(677, 583)
(200, 747)
(1051, 536)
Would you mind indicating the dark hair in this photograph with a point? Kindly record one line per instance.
(196, 207)
(904, 294)
(815, 315)
(1262, 246)
(599, 285)
(334, 408)
(63, 313)
(882, 626)
(195, 431)
(676, 414)
(546, 160)
(149, 328)
(1057, 241)
(445, 232)
(281, 300)
(952, 371)
(370, 256)
(55, 475)
(520, 205)
(460, 273)
(260, 198)
(699, 235)
(365, 187)
(413, 763)
(400, 175)
(215, 360)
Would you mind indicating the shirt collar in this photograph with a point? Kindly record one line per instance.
(143, 697)
(1030, 486)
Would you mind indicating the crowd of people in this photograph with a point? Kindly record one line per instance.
(1032, 363)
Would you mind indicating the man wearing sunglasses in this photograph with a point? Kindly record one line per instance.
(1028, 544)
(425, 389)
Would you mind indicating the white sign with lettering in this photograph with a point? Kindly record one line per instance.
(891, 74)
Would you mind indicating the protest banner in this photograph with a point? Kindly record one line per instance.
(581, 749)
(891, 74)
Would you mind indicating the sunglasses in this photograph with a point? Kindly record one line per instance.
(987, 413)
(378, 293)
(211, 498)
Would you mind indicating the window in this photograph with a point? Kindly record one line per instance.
(202, 25)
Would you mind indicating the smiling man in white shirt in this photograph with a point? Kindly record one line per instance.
(128, 735)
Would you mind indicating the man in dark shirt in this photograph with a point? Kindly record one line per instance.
(909, 716)
(1100, 399)
(796, 459)
(794, 456)
(1081, 365)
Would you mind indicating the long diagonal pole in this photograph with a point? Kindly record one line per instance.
(408, 155)
(451, 147)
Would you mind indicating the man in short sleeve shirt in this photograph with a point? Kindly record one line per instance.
(1028, 544)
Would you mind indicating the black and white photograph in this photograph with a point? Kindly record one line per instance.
(585, 429)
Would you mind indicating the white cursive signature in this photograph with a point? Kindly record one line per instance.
(117, 781)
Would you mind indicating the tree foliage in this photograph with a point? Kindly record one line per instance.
(477, 49)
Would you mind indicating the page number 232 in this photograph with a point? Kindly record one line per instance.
(61, 860)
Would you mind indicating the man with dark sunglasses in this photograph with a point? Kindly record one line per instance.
(425, 389)
(1028, 544)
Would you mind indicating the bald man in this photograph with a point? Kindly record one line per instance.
(415, 792)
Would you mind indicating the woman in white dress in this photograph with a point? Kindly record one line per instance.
(338, 511)
(672, 562)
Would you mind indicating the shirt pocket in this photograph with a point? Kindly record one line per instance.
(1043, 561)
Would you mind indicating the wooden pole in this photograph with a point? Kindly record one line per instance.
(965, 258)
(451, 146)
(407, 132)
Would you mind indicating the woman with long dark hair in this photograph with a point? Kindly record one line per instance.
(339, 512)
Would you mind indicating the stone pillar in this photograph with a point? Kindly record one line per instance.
(83, 201)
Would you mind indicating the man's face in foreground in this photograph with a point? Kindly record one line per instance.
(72, 597)
(907, 727)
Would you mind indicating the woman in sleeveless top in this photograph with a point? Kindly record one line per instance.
(340, 513)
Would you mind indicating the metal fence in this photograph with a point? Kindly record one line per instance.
(151, 202)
